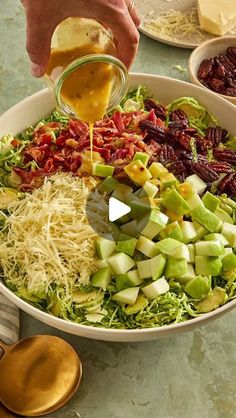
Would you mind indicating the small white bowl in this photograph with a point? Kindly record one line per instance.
(209, 49)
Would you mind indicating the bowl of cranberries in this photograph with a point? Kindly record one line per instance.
(213, 65)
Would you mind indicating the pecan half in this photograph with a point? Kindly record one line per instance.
(154, 131)
(167, 154)
(180, 117)
(226, 155)
(160, 111)
(231, 54)
(225, 182)
(205, 68)
(221, 167)
(206, 173)
(216, 135)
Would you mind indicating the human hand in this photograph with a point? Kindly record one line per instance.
(44, 15)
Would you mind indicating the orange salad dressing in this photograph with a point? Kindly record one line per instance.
(87, 89)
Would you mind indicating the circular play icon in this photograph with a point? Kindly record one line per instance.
(114, 209)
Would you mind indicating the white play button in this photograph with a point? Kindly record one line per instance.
(117, 209)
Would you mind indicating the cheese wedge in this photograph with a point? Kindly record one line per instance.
(217, 16)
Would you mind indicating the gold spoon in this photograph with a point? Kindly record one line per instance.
(39, 375)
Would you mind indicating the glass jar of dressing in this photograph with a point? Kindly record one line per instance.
(87, 77)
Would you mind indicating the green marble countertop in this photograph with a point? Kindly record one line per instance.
(187, 375)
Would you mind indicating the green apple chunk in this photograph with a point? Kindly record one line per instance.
(126, 296)
(173, 248)
(210, 248)
(152, 223)
(168, 180)
(192, 253)
(147, 247)
(126, 244)
(207, 219)
(101, 278)
(198, 287)
(194, 201)
(122, 192)
(156, 169)
(229, 231)
(201, 231)
(172, 230)
(223, 216)
(217, 237)
(189, 275)
(174, 201)
(188, 230)
(210, 201)
(206, 266)
(105, 247)
(198, 184)
(120, 263)
(108, 185)
(149, 189)
(130, 228)
(138, 172)
(155, 289)
(142, 156)
(229, 262)
(129, 279)
(175, 268)
(139, 207)
(102, 170)
(152, 268)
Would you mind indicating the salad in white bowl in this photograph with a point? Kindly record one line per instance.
(169, 260)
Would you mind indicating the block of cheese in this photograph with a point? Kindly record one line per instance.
(217, 16)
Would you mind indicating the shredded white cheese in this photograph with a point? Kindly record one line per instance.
(48, 240)
(175, 25)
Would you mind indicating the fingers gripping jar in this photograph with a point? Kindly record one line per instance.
(87, 77)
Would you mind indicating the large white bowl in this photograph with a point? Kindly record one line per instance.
(30, 110)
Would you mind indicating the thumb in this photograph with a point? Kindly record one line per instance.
(38, 43)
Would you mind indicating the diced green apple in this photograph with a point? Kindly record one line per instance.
(172, 230)
(210, 201)
(223, 216)
(229, 231)
(175, 268)
(205, 265)
(108, 185)
(102, 170)
(194, 201)
(138, 172)
(147, 247)
(217, 237)
(188, 230)
(189, 275)
(155, 289)
(152, 268)
(149, 189)
(210, 248)
(156, 169)
(152, 223)
(101, 278)
(126, 244)
(105, 247)
(229, 262)
(207, 219)
(191, 249)
(139, 207)
(142, 156)
(120, 263)
(122, 192)
(174, 201)
(130, 228)
(126, 296)
(168, 179)
(198, 184)
(173, 248)
(198, 287)
(129, 279)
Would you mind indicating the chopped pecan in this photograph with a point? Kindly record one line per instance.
(216, 135)
(180, 117)
(153, 131)
(232, 186)
(206, 173)
(225, 182)
(229, 66)
(221, 167)
(160, 111)
(205, 68)
(226, 155)
(217, 85)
